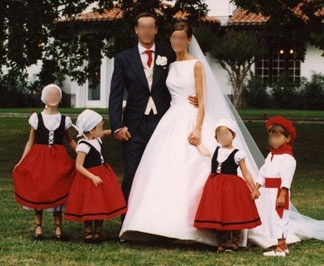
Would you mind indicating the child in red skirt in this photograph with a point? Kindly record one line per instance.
(226, 204)
(43, 175)
(276, 176)
(95, 194)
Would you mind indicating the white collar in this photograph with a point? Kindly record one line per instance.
(142, 49)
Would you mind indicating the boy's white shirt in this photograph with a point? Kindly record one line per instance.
(281, 165)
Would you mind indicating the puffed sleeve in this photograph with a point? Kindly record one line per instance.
(33, 120)
(287, 171)
(262, 172)
(82, 147)
(68, 122)
(240, 155)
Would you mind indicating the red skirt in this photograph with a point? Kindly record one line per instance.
(43, 178)
(88, 202)
(226, 204)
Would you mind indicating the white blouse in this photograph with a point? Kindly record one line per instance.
(51, 122)
(223, 154)
(282, 165)
(81, 147)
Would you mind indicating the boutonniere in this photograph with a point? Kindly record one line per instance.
(161, 61)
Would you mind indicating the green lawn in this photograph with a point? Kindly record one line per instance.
(255, 113)
(17, 248)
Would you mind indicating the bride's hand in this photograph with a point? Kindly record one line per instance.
(195, 137)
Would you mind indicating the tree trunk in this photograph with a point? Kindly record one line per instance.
(238, 92)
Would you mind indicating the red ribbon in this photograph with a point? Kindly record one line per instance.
(276, 183)
(286, 149)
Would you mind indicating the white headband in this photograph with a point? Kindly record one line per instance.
(45, 91)
(87, 120)
(226, 123)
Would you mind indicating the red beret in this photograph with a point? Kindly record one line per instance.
(285, 123)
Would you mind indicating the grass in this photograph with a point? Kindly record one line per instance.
(62, 110)
(301, 114)
(17, 248)
(255, 113)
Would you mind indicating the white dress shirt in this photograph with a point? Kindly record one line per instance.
(149, 75)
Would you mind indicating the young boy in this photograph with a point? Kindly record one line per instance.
(276, 176)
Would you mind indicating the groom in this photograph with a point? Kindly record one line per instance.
(142, 72)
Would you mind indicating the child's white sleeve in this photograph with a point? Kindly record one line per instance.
(262, 172)
(68, 122)
(240, 155)
(33, 121)
(82, 147)
(287, 171)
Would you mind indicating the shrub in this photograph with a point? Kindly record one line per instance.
(286, 94)
(312, 92)
(255, 93)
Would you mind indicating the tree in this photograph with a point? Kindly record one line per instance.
(292, 23)
(236, 51)
(29, 31)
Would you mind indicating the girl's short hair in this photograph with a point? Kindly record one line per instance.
(274, 128)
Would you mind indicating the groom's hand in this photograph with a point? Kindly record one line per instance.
(193, 99)
(122, 134)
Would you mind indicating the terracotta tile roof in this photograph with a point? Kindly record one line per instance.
(243, 17)
(116, 13)
(108, 15)
(183, 15)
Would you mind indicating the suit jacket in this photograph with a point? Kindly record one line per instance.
(129, 75)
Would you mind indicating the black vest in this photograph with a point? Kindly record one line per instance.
(227, 167)
(49, 137)
(93, 157)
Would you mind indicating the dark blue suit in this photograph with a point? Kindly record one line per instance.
(129, 75)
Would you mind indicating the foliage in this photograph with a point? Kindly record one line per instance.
(292, 23)
(236, 51)
(286, 93)
(31, 30)
(312, 92)
(255, 92)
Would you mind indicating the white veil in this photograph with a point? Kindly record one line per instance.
(218, 105)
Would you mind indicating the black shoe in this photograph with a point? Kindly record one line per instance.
(61, 238)
(87, 239)
(97, 237)
(97, 240)
(38, 237)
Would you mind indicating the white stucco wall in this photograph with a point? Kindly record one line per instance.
(220, 74)
(79, 93)
(314, 62)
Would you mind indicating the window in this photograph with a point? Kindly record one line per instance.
(94, 87)
(276, 64)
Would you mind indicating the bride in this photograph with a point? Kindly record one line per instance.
(174, 167)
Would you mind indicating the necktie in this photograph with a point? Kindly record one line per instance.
(149, 57)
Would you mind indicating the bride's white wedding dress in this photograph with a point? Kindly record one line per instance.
(170, 177)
